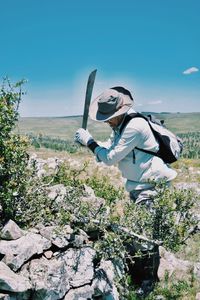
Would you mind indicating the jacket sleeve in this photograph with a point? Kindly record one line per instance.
(129, 139)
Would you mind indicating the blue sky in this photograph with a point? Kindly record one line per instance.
(152, 47)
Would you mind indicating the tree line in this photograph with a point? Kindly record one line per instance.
(191, 142)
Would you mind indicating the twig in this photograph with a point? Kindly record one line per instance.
(116, 227)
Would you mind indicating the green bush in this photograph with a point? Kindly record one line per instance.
(13, 155)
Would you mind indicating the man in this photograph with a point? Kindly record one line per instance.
(138, 168)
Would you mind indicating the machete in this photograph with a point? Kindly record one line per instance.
(88, 96)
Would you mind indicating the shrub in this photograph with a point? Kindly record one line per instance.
(13, 155)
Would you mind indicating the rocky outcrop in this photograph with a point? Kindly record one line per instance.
(60, 263)
(53, 263)
(17, 252)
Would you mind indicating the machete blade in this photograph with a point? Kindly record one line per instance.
(88, 96)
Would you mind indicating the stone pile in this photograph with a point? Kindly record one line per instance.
(58, 263)
(52, 263)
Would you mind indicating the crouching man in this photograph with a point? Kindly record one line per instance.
(136, 166)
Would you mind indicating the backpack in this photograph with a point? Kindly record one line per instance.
(170, 145)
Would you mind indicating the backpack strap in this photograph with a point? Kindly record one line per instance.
(128, 118)
(138, 115)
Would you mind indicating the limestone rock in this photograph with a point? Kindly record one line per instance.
(84, 292)
(11, 282)
(79, 265)
(48, 254)
(103, 282)
(59, 237)
(11, 231)
(17, 252)
(80, 239)
(172, 265)
(49, 278)
(57, 192)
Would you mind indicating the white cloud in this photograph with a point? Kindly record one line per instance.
(190, 70)
(138, 104)
(155, 102)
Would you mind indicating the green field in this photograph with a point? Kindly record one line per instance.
(65, 127)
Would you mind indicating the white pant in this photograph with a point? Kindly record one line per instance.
(145, 196)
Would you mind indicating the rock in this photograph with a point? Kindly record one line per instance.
(53, 162)
(41, 173)
(79, 265)
(197, 270)
(49, 278)
(172, 265)
(89, 191)
(11, 231)
(34, 230)
(103, 282)
(57, 192)
(197, 296)
(89, 197)
(11, 282)
(80, 239)
(84, 292)
(17, 252)
(4, 297)
(59, 237)
(48, 254)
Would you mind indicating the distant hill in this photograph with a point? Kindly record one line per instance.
(65, 127)
(155, 113)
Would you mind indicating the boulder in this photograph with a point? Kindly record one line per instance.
(11, 282)
(103, 283)
(79, 265)
(48, 277)
(17, 252)
(11, 231)
(59, 237)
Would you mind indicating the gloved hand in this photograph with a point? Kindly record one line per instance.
(83, 136)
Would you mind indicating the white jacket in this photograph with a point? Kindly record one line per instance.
(136, 166)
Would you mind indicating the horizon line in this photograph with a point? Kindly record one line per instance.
(78, 115)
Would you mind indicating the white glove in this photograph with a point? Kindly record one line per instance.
(83, 136)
